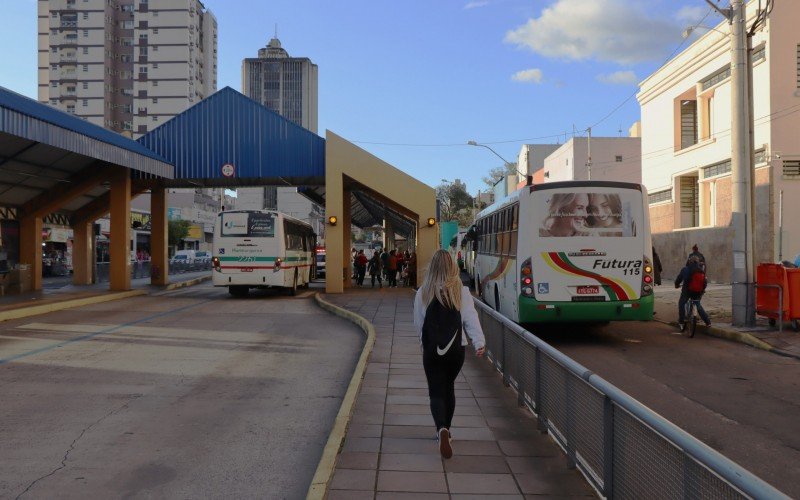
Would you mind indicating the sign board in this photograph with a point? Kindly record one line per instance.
(195, 232)
(56, 234)
(174, 213)
(141, 221)
(228, 170)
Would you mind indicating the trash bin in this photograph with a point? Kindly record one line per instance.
(793, 280)
(767, 296)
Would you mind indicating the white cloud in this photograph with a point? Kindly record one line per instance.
(619, 78)
(533, 75)
(619, 31)
(691, 14)
(475, 4)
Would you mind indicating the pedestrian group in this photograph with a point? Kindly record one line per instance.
(385, 266)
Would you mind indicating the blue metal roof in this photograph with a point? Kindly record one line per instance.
(32, 120)
(228, 128)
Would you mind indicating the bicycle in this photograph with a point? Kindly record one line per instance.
(690, 317)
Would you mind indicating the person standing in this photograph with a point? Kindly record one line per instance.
(385, 265)
(375, 269)
(400, 265)
(443, 310)
(361, 267)
(700, 257)
(391, 272)
(412, 270)
(656, 268)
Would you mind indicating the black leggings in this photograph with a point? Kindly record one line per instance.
(441, 372)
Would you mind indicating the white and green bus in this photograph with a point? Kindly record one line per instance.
(577, 251)
(260, 249)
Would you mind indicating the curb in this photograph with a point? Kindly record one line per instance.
(182, 284)
(740, 337)
(327, 462)
(25, 312)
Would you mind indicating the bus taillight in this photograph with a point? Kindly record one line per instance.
(278, 263)
(526, 275)
(215, 263)
(647, 277)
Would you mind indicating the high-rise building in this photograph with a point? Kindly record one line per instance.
(127, 65)
(286, 85)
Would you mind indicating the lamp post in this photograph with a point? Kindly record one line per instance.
(506, 163)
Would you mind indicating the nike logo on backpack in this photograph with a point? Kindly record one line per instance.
(442, 352)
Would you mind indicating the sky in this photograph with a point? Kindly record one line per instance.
(411, 82)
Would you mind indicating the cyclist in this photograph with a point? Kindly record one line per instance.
(692, 282)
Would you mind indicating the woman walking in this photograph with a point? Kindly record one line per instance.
(443, 310)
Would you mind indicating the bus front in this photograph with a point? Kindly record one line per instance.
(590, 254)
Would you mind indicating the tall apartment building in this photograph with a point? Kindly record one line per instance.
(288, 86)
(127, 65)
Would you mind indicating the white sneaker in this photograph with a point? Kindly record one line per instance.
(444, 443)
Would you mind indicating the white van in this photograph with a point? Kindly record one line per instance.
(183, 256)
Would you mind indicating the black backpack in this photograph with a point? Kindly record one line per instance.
(442, 329)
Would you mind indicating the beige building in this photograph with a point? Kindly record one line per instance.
(613, 159)
(127, 65)
(686, 145)
(530, 161)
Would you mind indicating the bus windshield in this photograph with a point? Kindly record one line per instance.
(248, 224)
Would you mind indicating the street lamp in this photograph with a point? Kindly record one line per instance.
(506, 162)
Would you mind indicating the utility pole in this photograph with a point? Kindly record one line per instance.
(589, 155)
(743, 305)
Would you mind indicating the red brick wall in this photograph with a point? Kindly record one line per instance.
(662, 218)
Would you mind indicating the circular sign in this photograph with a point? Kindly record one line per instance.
(228, 170)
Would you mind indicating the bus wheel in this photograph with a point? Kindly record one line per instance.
(496, 299)
(238, 290)
(293, 290)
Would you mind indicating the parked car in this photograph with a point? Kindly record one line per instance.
(203, 256)
(183, 257)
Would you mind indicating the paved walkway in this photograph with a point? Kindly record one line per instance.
(717, 303)
(390, 450)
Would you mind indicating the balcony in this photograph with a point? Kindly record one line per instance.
(69, 40)
(69, 58)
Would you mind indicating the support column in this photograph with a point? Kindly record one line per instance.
(82, 253)
(347, 232)
(120, 230)
(30, 249)
(390, 243)
(335, 250)
(427, 244)
(159, 263)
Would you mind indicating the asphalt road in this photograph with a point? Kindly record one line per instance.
(191, 394)
(743, 402)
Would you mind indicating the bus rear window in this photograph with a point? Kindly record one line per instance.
(248, 224)
(590, 213)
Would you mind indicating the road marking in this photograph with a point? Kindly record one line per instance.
(50, 347)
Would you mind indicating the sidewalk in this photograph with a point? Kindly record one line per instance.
(390, 450)
(717, 303)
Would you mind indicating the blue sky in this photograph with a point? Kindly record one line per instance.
(427, 76)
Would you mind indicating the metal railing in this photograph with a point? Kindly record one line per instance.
(144, 269)
(624, 449)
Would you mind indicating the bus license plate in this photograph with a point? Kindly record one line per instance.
(246, 269)
(588, 290)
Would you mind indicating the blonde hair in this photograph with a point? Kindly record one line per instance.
(442, 281)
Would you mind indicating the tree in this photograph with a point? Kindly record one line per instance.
(498, 173)
(454, 202)
(177, 230)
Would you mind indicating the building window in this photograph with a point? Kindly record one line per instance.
(86, 50)
(85, 102)
(85, 16)
(660, 196)
(155, 48)
(85, 67)
(155, 83)
(688, 123)
(155, 31)
(54, 101)
(71, 109)
(716, 169)
(85, 85)
(155, 100)
(54, 66)
(689, 201)
(155, 118)
(716, 77)
(791, 169)
(54, 15)
(54, 84)
(155, 65)
(760, 156)
(155, 13)
(85, 33)
(759, 53)
(142, 69)
(618, 158)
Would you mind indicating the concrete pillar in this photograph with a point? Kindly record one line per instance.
(158, 237)
(347, 232)
(82, 253)
(336, 247)
(390, 243)
(120, 229)
(427, 244)
(30, 248)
